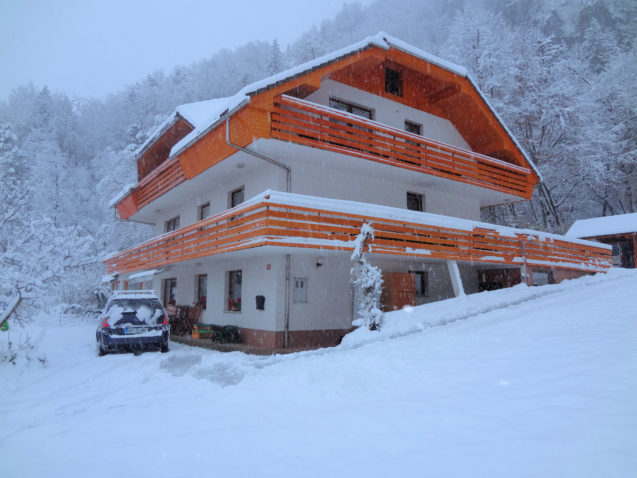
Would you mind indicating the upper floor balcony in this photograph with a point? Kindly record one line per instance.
(319, 126)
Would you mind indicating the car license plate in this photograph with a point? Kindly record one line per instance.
(134, 330)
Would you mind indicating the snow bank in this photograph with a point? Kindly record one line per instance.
(537, 382)
(416, 319)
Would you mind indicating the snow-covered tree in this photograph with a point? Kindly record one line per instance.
(276, 63)
(367, 281)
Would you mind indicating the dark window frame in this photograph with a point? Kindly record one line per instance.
(231, 196)
(169, 285)
(393, 81)
(413, 127)
(234, 285)
(201, 210)
(172, 224)
(202, 295)
(349, 107)
(420, 200)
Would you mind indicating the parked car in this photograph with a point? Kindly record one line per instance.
(133, 321)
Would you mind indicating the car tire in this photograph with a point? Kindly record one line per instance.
(100, 351)
(164, 348)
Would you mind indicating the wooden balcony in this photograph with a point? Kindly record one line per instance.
(291, 220)
(318, 126)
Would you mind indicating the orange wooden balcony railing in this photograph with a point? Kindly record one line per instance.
(281, 219)
(315, 125)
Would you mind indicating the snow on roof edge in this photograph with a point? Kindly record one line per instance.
(121, 195)
(603, 226)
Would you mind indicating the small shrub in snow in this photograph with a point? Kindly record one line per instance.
(367, 281)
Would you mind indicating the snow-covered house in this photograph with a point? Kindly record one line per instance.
(257, 199)
(619, 231)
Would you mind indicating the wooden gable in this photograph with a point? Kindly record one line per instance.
(159, 150)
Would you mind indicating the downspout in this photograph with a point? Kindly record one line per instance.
(286, 330)
(288, 171)
(288, 188)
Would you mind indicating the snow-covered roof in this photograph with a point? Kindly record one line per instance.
(206, 115)
(197, 114)
(143, 274)
(604, 226)
(121, 195)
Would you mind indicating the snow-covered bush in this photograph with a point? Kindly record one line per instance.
(367, 281)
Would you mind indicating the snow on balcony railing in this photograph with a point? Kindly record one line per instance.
(319, 126)
(292, 220)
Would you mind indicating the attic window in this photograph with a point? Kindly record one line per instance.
(393, 82)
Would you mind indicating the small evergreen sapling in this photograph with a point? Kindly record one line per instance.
(367, 282)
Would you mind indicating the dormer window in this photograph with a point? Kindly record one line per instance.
(393, 82)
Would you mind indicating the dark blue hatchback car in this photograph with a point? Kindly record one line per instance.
(133, 321)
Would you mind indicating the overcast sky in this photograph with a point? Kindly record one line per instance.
(92, 48)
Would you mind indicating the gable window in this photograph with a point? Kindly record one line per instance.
(233, 291)
(300, 289)
(202, 290)
(415, 202)
(172, 224)
(351, 108)
(236, 196)
(204, 211)
(412, 127)
(393, 82)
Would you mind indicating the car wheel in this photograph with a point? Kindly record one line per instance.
(100, 351)
(164, 348)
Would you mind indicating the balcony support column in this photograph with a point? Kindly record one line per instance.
(456, 280)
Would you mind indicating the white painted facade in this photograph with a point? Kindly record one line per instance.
(314, 172)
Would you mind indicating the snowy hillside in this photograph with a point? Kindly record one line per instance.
(519, 382)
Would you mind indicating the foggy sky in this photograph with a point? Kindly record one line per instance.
(92, 48)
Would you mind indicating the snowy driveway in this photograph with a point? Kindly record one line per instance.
(543, 382)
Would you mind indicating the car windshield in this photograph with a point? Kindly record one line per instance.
(135, 311)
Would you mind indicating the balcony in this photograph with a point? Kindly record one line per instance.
(292, 220)
(306, 123)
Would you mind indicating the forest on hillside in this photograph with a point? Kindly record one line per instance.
(560, 73)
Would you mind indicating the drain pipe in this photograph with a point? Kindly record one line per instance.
(288, 189)
(286, 333)
(288, 171)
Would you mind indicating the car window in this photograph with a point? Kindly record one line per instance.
(135, 311)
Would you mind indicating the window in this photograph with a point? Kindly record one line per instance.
(170, 291)
(412, 127)
(172, 224)
(393, 82)
(351, 108)
(415, 202)
(422, 285)
(233, 281)
(300, 289)
(204, 211)
(202, 290)
(236, 197)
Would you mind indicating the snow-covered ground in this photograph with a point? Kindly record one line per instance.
(530, 382)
